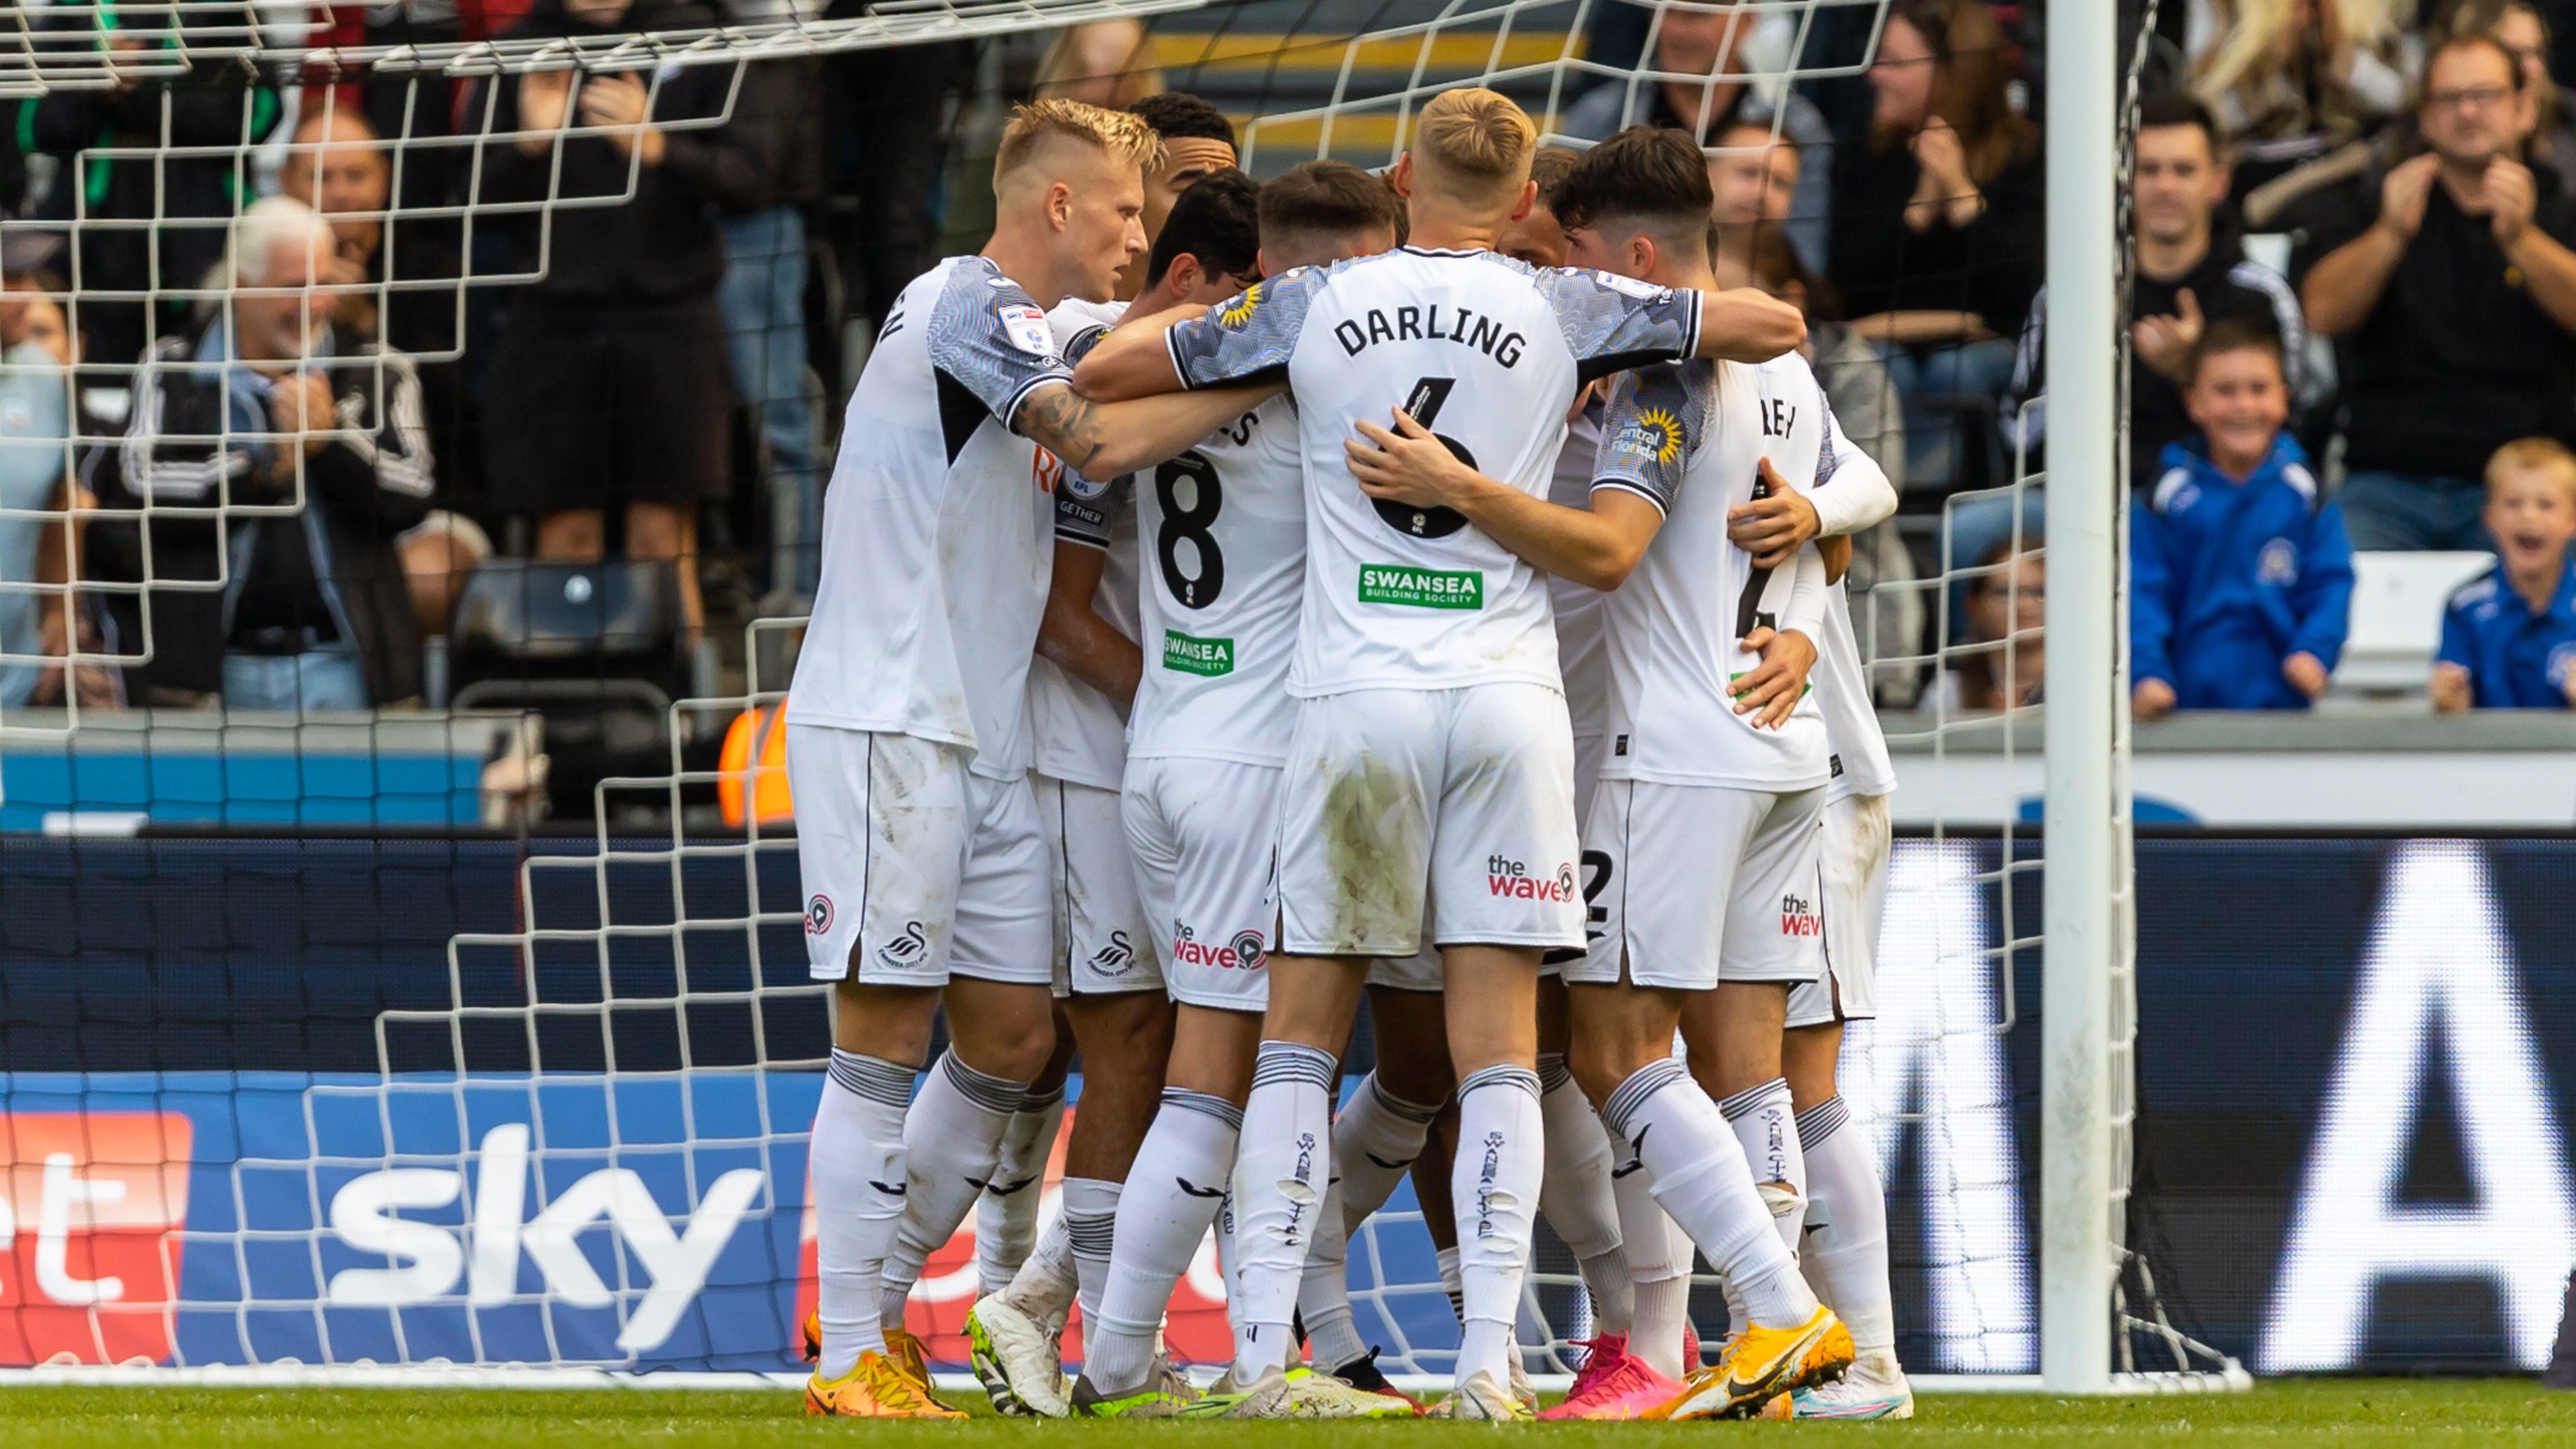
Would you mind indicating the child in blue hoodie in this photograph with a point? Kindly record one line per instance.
(2509, 635)
(2240, 574)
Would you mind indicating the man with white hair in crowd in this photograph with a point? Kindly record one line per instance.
(303, 609)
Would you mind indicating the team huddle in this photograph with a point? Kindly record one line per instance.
(1439, 623)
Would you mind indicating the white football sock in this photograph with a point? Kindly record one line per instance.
(1375, 1139)
(1658, 1255)
(1090, 1223)
(1280, 1175)
(1701, 1180)
(1324, 1289)
(1502, 1149)
(1574, 1195)
(1447, 1258)
(950, 1140)
(1846, 1258)
(1006, 1219)
(856, 1162)
(1766, 1126)
(1163, 1215)
(1043, 1288)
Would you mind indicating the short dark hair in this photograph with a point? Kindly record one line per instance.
(2237, 334)
(1327, 198)
(2178, 108)
(1178, 114)
(2474, 40)
(1549, 166)
(1217, 221)
(1644, 174)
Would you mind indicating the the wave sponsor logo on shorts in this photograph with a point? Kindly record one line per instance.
(1511, 879)
(1245, 952)
(818, 914)
(1116, 958)
(1799, 916)
(907, 950)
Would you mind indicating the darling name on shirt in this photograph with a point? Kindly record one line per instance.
(1422, 324)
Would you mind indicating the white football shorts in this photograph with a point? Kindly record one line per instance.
(1205, 834)
(914, 867)
(1592, 870)
(1852, 871)
(1704, 884)
(1458, 799)
(1103, 942)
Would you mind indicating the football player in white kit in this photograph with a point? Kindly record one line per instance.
(1706, 813)
(1224, 528)
(907, 739)
(1108, 973)
(1431, 760)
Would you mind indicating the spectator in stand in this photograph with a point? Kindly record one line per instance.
(39, 536)
(2450, 284)
(1710, 89)
(1936, 237)
(763, 301)
(2520, 28)
(609, 392)
(1106, 63)
(885, 144)
(2000, 662)
(1197, 139)
(2290, 80)
(2192, 272)
(2509, 635)
(337, 164)
(2240, 581)
(312, 611)
(214, 103)
(1754, 178)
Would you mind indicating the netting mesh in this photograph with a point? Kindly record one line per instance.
(585, 1145)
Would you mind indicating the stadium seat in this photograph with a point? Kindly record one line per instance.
(597, 650)
(2397, 618)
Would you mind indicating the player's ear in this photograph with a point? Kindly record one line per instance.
(1402, 176)
(1643, 255)
(1059, 205)
(1529, 198)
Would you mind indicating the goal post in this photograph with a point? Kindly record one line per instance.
(2077, 1255)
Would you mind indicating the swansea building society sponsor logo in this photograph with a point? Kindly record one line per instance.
(1798, 917)
(1244, 953)
(1513, 880)
(1190, 655)
(907, 950)
(1421, 588)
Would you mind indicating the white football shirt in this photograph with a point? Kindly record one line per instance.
(937, 525)
(1485, 351)
(1858, 761)
(1079, 733)
(1689, 437)
(1579, 651)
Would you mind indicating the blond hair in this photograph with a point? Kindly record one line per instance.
(1474, 140)
(2547, 457)
(1123, 136)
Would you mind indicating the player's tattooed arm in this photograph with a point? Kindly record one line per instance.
(1073, 635)
(1746, 324)
(1134, 360)
(1102, 440)
(1596, 546)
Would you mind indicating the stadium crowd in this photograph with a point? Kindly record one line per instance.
(2354, 325)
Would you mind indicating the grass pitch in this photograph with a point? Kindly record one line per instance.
(2413, 1413)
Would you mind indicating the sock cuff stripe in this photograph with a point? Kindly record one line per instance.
(1502, 1074)
(1553, 1072)
(872, 1078)
(1752, 1097)
(1408, 1110)
(1822, 1120)
(1206, 1104)
(1633, 1093)
(1289, 1062)
(993, 1094)
(1090, 1236)
(1041, 1101)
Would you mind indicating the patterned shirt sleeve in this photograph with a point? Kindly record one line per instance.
(1086, 512)
(1613, 323)
(990, 338)
(1251, 337)
(1649, 430)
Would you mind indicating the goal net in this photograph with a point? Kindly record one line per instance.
(330, 1046)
